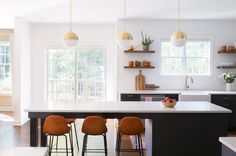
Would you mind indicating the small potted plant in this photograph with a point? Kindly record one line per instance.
(228, 79)
(146, 41)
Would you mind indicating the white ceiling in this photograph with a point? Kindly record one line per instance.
(100, 11)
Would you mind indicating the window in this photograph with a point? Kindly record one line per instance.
(191, 59)
(76, 74)
(5, 68)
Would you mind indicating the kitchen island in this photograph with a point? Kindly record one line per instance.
(191, 128)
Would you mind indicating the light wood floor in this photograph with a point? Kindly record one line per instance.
(11, 136)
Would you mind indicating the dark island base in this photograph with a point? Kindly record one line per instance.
(166, 134)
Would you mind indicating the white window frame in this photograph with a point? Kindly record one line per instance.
(210, 39)
(76, 80)
(10, 63)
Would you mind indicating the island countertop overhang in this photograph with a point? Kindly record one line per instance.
(128, 107)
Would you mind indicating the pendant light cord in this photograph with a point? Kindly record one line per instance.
(125, 21)
(178, 25)
(70, 14)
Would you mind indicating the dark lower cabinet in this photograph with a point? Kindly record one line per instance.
(227, 101)
(140, 97)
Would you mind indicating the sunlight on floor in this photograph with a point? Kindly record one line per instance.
(6, 118)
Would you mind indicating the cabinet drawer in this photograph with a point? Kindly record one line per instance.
(130, 97)
(225, 98)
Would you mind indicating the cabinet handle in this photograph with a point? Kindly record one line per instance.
(130, 95)
(227, 98)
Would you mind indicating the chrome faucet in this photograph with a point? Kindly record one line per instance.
(186, 81)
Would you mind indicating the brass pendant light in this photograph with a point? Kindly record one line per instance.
(70, 38)
(125, 38)
(178, 38)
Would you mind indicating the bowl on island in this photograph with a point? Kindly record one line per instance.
(167, 102)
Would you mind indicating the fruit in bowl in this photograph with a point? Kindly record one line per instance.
(168, 102)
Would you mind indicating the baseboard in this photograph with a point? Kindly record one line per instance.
(20, 123)
(6, 109)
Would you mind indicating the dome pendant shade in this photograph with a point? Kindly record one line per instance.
(70, 39)
(125, 36)
(178, 39)
(125, 40)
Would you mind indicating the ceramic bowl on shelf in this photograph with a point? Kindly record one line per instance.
(146, 63)
(137, 64)
(131, 63)
(167, 102)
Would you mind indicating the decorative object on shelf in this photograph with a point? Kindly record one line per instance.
(228, 80)
(140, 81)
(146, 41)
(130, 48)
(70, 38)
(230, 48)
(222, 48)
(125, 38)
(227, 49)
(139, 51)
(131, 63)
(227, 65)
(146, 63)
(141, 67)
(167, 102)
(137, 63)
(151, 87)
(178, 38)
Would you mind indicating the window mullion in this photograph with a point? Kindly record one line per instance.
(76, 75)
(184, 60)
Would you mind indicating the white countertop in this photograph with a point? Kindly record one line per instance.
(229, 142)
(128, 107)
(185, 92)
(23, 151)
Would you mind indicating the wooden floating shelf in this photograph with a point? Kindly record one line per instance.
(139, 51)
(127, 67)
(227, 52)
(226, 67)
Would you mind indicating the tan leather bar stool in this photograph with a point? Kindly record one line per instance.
(94, 125)
(55, 125)
(71, 122)
(130, 126)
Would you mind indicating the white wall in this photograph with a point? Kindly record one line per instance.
(21, 71)
(221, 32)
(51, 35)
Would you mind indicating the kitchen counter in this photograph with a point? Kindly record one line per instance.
(184, 92)
(129, 107)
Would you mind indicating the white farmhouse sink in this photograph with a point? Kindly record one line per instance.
(189, 95)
